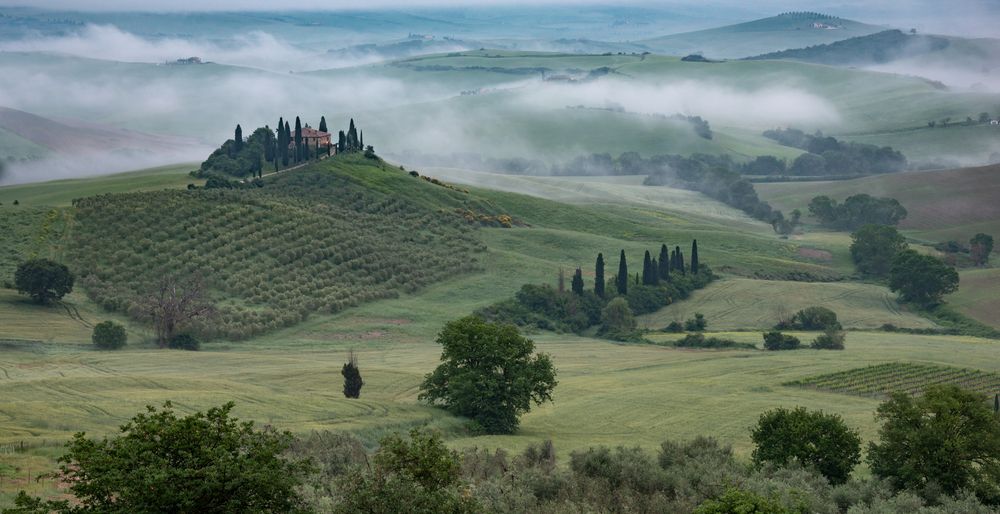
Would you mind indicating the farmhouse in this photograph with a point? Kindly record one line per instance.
(315, 138)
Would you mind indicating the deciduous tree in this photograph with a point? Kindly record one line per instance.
(813, 438)
(43, 280)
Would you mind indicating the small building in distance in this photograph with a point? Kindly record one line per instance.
(313, 138)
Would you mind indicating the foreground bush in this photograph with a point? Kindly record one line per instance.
(813, 438)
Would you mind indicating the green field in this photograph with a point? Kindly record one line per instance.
(60, 193)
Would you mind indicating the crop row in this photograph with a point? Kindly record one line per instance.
(912, 378)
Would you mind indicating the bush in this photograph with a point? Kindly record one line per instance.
(830, 340)
(814, 318)
(696, 324)
(698, 340)
(109, 335)
(184, 342)
(617, 320)
(675, 327)
(738, 501)
(43, 280)
(775, 340)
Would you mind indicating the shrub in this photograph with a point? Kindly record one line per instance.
(698, 340)
(830, 340)
(738, 501)
(617, 320)
(814, 318)
(696, 324)
(184, 342)
(775, 340)
(109, 335)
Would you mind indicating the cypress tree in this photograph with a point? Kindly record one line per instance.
(654, 272)
(341, 142)
(577, 284)
(562, 280)
(352, 377)
(636, 278)
(352, 137)
(680, 261)
(298, 140)
(279, 139)
(361, 146)
(622, 279)
(694, 257)
(996, 404)
(599, 276)
(322, 124)
(288, 141)
(664, 267)
(647, 270)
(238, 138)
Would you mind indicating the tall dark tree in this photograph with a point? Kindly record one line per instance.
(654, 272)
(680, 261)
(980, 248)
(361, 139)
(599, 276)
(298, 139)
(577, 284)
(353, 144)
(238, 138)
(268, 144)
(664, 267)
(622, 279)
(322, 124)
(341, 142)
(647, 269)
(694, 257)
(288, 140)
(282, 145)
(352, 376)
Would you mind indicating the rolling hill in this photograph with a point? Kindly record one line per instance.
(788, 30)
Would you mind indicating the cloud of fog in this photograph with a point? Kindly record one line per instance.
(90, 164)
(255, 49)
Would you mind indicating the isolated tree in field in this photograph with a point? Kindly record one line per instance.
(874, 247)
(207, 462)
(599, 276)
(813, 438)
(664, 263)
(43, 280)
(577, 284)
(617, 319)
(238, 139)
(109, 335)
(921, 279)
(352, 376)
(980, 247)
(488, 373)
(173, 304)
(621, 281)
(694, 256)
(814, 318)
(946, 440)
(322, 124)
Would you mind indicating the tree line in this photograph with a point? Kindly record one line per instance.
(828, 156)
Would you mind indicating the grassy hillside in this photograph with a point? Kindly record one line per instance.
(789, 30)
(977, 295)
(942, 205)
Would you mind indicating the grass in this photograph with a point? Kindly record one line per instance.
(60, 193)
(977, 295)
(880, 380)
(738, 303)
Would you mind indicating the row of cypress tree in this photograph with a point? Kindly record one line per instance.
(290, 147)
(654, 270)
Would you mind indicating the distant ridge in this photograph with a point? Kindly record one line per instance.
(781, 32)
(879, 48)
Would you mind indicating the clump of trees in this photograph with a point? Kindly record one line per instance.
(663, 280)
(488, 373)
(811, 318)
(775, 341)
(43, 280)
(828, 156)
(857, 211)
(921, 279)
(109, 335)
(873, 248)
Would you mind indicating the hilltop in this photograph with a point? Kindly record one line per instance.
(878, 48)
(787, 30)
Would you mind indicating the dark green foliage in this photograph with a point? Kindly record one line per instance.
(650, 273)
(945, 441)
(775, 340)
(879, 48)
(310, 241)
(599, 276)
(874, 247)
(828, 156)
(664, 263)
(488, 373)
(738, 501)
(831, 339)
(161, 463)
(980, 247)
(238, 139)
(43, 280)
(921, 279)
(420, 476)
(352, 377)
(856, 211)
(680, 261)
(299, 147)
(577, 284)
(698, 340)
(694, 256)
(109, 335)
(812, 318)
(696, 324)
(621, 280)
(813, 438)
(243, 158)
(322, 124)
(546, 308)
(675, 327)
(764, 165)
(184, 342)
